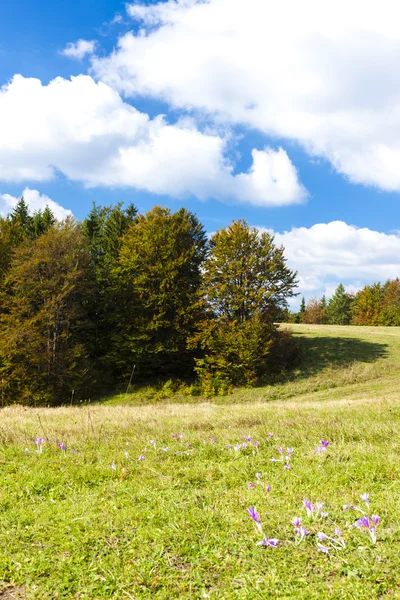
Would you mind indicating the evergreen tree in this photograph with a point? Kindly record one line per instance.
(339, 307)
(303, 305)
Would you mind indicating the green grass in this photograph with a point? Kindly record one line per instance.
(174, 525)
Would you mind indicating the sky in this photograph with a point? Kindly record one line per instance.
(285, 114)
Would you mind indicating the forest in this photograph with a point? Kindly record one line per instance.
(88, 306)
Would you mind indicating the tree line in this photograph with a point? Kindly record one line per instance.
(86, 306)
(375, 304)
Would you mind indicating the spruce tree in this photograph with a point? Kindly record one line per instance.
(339, 307)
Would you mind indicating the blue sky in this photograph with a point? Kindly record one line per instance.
(323, 126)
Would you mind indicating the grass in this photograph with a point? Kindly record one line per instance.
(174, 525)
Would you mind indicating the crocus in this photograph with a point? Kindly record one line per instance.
(268, 489)
(270, 435)
(253, 514)
(368, 524)
(287, 466)
(252, 485)
(39, 441)
(309, 507)
(248, 438)
(273, 542)
(228, 447)
(113, 466)
(365, 497)
(280, 450)
(321, 536)
(301, 532)
(324, 443)
(141, 457)
(296, 522)
(289, 451)
(322, 548)
(62, 446)
(258, 476)
(256, 444)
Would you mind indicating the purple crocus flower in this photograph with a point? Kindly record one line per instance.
(258, 476)
(296, 522)
(280, 450)
(238, 447)
(322, 536)
(244, 445)
(287, 466)
(248, 438)
(319, 505)
(252, 485)
(270, 435)
(308, 506)
(338, 532)
(272, 543)
(62, 446)
(253, 514)
(274, 460)
(228, 447)
(213, 440)
(322, 548)
(324, 443)
(369, 524)
(113, 466)
(319, 450)
(126, 454)
(173, 435)
(256, 444)
(268, 489)
(365, 497)
(375, 519)
(289, 451)
(301, 532)
(141, 457)
(39, 441)
(347, 507)
(152, 442)
(362, 522)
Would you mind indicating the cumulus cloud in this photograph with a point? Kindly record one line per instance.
(36, 201)
(327, 254)
(85, 130)
(79, 49)
(324, 75)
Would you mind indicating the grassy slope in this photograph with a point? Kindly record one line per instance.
(174, 525)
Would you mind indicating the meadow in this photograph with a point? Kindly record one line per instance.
(152, 496)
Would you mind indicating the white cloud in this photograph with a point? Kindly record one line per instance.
(323, 74)
(36, 201)
(327, 254)
(85, 130)
(80, 49)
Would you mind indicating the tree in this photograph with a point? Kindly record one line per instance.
(367, 305)
(157, 279)
(303, 305)
(339, 307)
(391, 303)
(44, 326)
(246, 284)
(315, 312)
(103, 230)
(246, 274)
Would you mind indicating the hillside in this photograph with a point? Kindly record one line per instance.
(150, 501)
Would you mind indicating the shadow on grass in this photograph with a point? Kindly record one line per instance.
(319, 353)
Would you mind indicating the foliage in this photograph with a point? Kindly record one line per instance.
(316, 312)
(339, 307)
(42, 350)
(367, 305)
(157, 279)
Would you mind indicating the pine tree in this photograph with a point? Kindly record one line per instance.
(339, 307)
(303, 305)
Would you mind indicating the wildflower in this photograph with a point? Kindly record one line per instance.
(322, 536)
(319, 505)
(113, 466)
(165, 449)
(39, 441)
(289, 451)
(322, 548)
(296, 522)
(287, 466)
(324, 443)
(252, 485)
(253, 514)
(213, 440)
(270, 435)
(180, 436)
(273, 542)
(338, 533)
(188, 446)
(347, 507)
(319, 450)
(268, 489)
(302, 532)
(365, 522)
(228, 447)
(274, 460)
(365, 497)
(309, 507)
(126, 454)
(62, 446)
(324, 515)
(141, 457)
(238, 447)
(244, 446)
(256, 444)
(173, 435)
(248, 438)
(152, 442)
(258, 476)
(280, 450)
